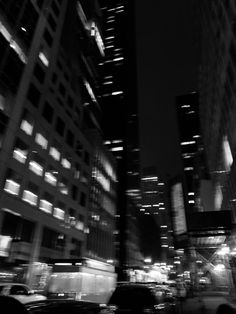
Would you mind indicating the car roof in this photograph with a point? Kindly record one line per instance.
(57, 303)
(12, 283)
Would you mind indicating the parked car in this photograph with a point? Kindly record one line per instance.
(139, 298)
(63, 307)
(20, 292)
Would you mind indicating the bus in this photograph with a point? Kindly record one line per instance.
(81, 279)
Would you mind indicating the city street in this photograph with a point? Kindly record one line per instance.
(205, 303)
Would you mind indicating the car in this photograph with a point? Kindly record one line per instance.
(138, 298)
(63, 307)
(20, 292)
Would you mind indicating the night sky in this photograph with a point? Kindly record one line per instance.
(167, 58)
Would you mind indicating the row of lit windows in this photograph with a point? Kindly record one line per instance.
(27, 125)
(46, 203)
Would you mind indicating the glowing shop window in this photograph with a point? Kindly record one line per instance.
(50, 178)
(65, 163)
(41, 140)
(12, 187)
(36, 168)
(26, 127)
(45, 206)
(20, 155)
(30, 197)
(59, 213)
(54, 153)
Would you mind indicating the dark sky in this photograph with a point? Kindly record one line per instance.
(167, 66)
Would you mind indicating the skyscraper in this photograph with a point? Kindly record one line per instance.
(120, 117)
(187, 107)
(48, 80)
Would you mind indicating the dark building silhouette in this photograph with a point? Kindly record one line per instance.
(118, 97)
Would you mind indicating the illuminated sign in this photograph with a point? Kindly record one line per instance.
(179, 219)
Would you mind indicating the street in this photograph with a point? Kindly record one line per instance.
(205, 303)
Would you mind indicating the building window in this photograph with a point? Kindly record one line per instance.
(46, 203)
(62, 89)
(37, 164)
(66, 163)
(39, 73)
(78, 148)
(54, 151)
(41, 140)
(27, 123)
(80, 223)
(30, 195)
(20, 151)
(53, 240)
(83, 199)
(59, 211)
(60, 126)
(77, 171)
(33, 95)
(12, 182)
(51, 176)
(74, 192)
(70, 138)
(63, 186)
(48, 112)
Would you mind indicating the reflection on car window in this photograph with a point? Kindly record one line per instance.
(1, 288)
(18, 290)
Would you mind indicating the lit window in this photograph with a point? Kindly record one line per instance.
(27, 127)
(12, 187)
(44, 59)
(63, 188)
(51, 176)
(54, 153)
(188, 168)
(30, 197)
(117, 93)
(36, 168)
(188, 143)
(59, 213)
(41, 140)
(45, 206)
(191, 201)
(79, 225)
(116, 149)
(65, 163)
(20, 151)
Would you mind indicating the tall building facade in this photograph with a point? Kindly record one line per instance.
(217, 97)
(187, 107)
(155, 203)
(48, 81)
(120, 120)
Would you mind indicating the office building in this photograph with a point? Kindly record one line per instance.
(217, 101)
(48, 81)
(187, 107)
(155, 203)
(118, 98)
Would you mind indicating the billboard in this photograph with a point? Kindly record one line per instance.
(178, 209)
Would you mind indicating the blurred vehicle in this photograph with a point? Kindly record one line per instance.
(20, 292)
(81, 279)
(139, 298)
(63, 306)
